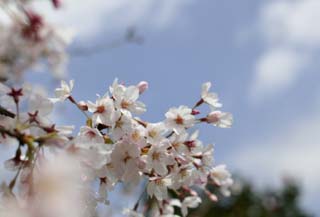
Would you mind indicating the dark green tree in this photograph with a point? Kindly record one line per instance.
(247, 201)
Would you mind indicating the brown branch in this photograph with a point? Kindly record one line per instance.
(131, 36)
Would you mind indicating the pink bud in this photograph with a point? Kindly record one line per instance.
(195, 112)
(83, 106)
(213, 117)
(143, 86)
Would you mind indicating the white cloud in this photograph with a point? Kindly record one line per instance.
(293, 151)
(292, 37)
(91, 17)
(276, 70)
(292, 21)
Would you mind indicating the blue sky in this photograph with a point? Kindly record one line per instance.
(261, 57)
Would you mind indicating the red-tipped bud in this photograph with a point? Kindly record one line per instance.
(143, 86)
(195, 112)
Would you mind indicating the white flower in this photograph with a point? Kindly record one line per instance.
(91, 135)
(187, 146)
(122, 127)
(189, 202)
(103, 111)
(137, 135)
(207, 155)
(178, 119)
(126, 98)
(40, 104)
(91, 148)
(158, 158)
(178, 143)
(220, 119)
(64, 91)
(108, 174)
(222, 177)
(183, 176)
(125, 158)
(158, 187)
(210, 98)
(155, 132)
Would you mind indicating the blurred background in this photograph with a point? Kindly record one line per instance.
(261, 56)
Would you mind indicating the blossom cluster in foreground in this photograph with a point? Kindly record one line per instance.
(114, 146)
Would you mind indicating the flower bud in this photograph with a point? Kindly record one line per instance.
(195, 112)
(143, 86)
(83, 106)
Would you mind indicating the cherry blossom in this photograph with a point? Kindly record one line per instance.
(159, 158)
(64, 91)
(222, 177)
(126, 98)
(114, 146)
(178, 119)
(125, 157)
(158, 187)
(220, 119)
(209, 97)
(103, 111)
(189, 202)
(155, 132)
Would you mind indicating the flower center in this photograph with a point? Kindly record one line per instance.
(179, 120)
(156, 156)
(152, 133)
(125, 104)
(135, 135)
(100, 109)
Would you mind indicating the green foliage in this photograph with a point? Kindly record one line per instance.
(246, 201)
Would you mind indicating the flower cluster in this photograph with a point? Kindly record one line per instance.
(62, 172)
(115, 146)
(27, 39)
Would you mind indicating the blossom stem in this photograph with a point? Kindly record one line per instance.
(136, 205)
(198, 103)
(73, 101)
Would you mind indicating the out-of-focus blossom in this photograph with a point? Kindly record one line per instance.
(222, 177)
(189, 202)
(64, 91)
